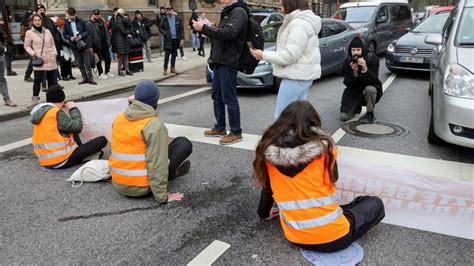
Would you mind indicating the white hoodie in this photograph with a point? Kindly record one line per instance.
(297, 53)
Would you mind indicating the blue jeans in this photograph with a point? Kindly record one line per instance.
(195, 40)
(3, 81)
(224, 93)
(290, 91)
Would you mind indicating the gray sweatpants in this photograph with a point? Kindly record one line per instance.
(3, 81)
(370, 95)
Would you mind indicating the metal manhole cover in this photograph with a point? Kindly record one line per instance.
(376, 130)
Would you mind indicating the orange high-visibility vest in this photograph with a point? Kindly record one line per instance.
(50, 146)
(127, 162)
(309, 212)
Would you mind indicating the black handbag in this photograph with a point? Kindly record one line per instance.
(38, 61)
(80, 45)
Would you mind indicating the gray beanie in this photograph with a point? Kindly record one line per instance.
(147, 92)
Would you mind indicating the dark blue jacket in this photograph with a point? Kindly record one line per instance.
(83, 31)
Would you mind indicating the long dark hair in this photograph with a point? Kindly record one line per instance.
(302, 118)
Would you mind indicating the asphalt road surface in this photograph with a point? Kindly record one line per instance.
(44, 220)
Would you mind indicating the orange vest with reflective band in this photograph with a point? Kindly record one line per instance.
(127, 162)
(50, 146)
(309, 212)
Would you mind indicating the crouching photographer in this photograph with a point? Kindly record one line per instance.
(363, 87)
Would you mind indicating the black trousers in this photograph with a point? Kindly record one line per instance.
(173, 52)
(51, 76)
(202, 39)
(178, 151)
(85, 150)
(83, 59)
(363, 213)
(104, 56)
(29, 68)
(66, 67)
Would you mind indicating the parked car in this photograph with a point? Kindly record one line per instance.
(452, 79)
(410, 52)
(378, 22)
(439, 10)
(334, 39)
(266, 16)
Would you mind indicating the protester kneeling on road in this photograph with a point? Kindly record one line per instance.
(143, 160)
(296, 166)
(361, 77)
(55, 135)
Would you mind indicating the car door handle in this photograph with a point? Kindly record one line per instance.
(344, 40)
(325, 45)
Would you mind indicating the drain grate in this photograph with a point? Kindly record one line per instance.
(378, 129)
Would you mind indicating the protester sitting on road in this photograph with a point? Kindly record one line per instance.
(361, 77)
(55, 135)
(3, 81)
(228, 42)
(296, 166)
(143, 160)
(39, 43)
(297, 59)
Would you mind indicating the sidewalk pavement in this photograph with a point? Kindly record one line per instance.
(21, 91)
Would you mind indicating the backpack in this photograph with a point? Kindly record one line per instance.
(248, 63)
(92, 171)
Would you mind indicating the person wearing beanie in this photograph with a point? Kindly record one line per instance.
(100, 43)
(143, 159)
(363, 86)
(56, 142)
(143, 24)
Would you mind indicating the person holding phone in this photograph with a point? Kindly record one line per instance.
(297, 60)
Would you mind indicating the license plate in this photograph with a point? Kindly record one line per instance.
(411, 59)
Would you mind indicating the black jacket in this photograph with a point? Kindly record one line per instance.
(99, 34)
(3, 41)
(83, 31)
(228, 39)
(353, 94)
(120, 31)
(143, 28)
(165, 31)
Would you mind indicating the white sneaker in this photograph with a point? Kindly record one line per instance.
(184, 58)
(103, 76)
(110, 75)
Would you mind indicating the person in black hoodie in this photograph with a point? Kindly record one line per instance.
(363, 86)
(228, 40)
(143, 24)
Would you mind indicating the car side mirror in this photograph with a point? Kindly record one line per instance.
(434, 39)
(382, 19)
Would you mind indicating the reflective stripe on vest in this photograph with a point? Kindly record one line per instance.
(309, 212)
(49, 145)
(127, 162)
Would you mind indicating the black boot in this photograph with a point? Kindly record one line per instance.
(369, 118)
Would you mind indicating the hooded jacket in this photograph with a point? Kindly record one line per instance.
(229, 38)
(155, 137)
(297, 53)
(353, 94)
(290, 156)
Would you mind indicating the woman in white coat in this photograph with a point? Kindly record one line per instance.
(297, 60)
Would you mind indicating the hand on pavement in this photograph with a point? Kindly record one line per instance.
(273, 214)
(175, 196)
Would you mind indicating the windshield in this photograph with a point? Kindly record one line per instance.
(465, 35)
(433, 24)
(355, 14)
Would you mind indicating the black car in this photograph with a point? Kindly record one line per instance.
(410, 52)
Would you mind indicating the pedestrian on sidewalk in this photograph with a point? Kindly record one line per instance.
(55, 134)
(194, 33)
(181, 46)
(120, 33)
(296, 60)
(25, 25)
(172, 29)
(228, 42)
(39, 43)
(78, 34)
(100, 43)
(363, 86)
(143, 159)
(143, 24)
(65, 55)
(3, 81)
(159, 18)
(9, 48)
(295, 164)
(202, 37)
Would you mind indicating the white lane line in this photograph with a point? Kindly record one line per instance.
(15, 145)
(210, 254)
(340, 133)
(26, 142)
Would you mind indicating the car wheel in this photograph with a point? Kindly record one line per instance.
(373, 47)
(276, 84)
(432, 138)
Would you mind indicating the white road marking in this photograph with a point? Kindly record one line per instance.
(26, 142)
(210, 254)
(340, 133)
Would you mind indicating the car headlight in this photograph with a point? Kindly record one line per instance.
(458, 82)
(391, 48)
